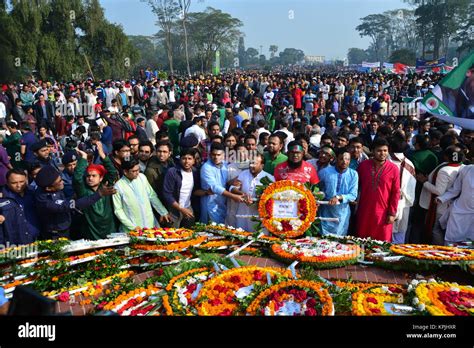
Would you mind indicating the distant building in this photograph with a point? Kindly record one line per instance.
(314, 59)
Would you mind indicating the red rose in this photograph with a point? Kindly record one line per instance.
(395, 290)
(191, 288)
(375, 310)
(257, 275)
(311, 303)
(311, 312)
(235, 279)
(225, 313)
(64, 297)
(215, 302)
(372, 300)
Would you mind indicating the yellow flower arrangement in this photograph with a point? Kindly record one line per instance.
(218, 295)
(126, 300)
(313, 298)
(285, 227)
(446, 299)
(433, 252)
(164, 234)
(218, 244)
(370, 301)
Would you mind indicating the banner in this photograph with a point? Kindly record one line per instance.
(388, 65)
(452, 100)
(371, 65)
(427, 64)
(217, 63)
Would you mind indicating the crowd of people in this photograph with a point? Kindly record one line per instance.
(89, 158)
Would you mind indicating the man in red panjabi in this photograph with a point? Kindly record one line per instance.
(295, 168)
(379, 184)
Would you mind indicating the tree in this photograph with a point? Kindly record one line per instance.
(273, 50)
(213, 30)
(376, 27)
(439, 20)
(184, 7)
(465, 34)
(251, 55)
(356, 55)
(404, 56)
(166, 11)
(291, 56)
(262, 60)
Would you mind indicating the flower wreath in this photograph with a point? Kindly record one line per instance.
(287, 190)
(294, 297)
(219, 295)
(433, 252)
(319, 253)
(444, 298)
(163, 234)
(371, 301)
(181, 289)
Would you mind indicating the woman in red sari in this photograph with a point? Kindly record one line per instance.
(379, 183)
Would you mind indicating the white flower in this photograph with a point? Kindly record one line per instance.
(385, 289)
(416, 301)
(213, 224)
(431, 280)
(414, 282)
(422, 281)
(421, 307)
(455, 289)
(410, 288)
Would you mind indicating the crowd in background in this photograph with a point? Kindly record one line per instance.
(89, 158)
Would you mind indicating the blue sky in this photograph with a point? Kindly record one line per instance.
(318, 27)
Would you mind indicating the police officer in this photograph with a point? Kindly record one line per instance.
(53, 207)
(17, 206)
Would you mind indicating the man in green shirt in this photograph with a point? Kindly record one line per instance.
(424, 160)
(173, 128)
(98, 219)
(274, 156)
(12, 144)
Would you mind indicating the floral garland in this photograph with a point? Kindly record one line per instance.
(319, 253)
(287, 190)
(170, 247)
(158, 259)
(218, 245)
(128, 301)
(219, 295)
(371, 301)
(164, 234)
(433, 252)
(294, 297)
(87, 289)
(181, 289)
(443, 298)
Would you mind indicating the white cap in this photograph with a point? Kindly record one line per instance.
(258, 107)
(431, 87)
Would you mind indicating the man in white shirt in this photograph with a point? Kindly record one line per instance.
(248, 180)
(284, 129)
(325, 89)
(197, 129)
(459, 220)
(407, 188)
(110, 94)
(151, 127)
(267, 99)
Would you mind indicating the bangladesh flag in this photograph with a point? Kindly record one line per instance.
(452, 100)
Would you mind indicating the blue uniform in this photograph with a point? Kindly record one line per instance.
(21, 225)
(333, 183)
(55, 211)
